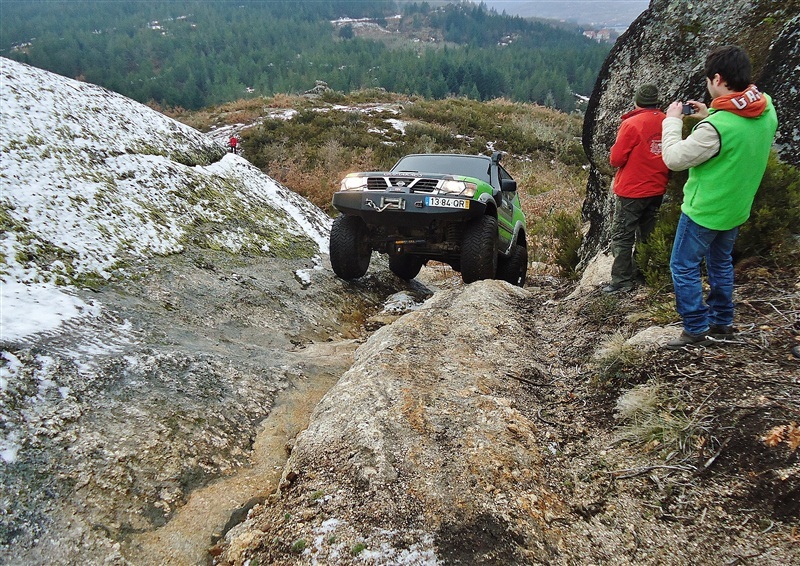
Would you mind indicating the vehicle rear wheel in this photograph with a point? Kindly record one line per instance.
(514, 268)
(349, 247)
(479, 250)
(405, 266)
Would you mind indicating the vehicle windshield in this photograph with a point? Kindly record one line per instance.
(466, 165)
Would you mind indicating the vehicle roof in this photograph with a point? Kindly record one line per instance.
(476, 166)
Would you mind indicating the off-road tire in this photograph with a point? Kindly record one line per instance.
(349, 247)
(514, 268)
(479, 249)
(405, 266)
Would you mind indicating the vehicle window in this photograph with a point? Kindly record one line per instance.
(466, 165)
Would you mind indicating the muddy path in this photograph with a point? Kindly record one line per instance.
(213, 509)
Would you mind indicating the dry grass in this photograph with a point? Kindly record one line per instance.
(318, 182)
(548, 187)
(657, 418)
(615, 358)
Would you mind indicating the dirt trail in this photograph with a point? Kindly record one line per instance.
(185, 539)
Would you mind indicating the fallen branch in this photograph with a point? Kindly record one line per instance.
(713, 458)
(742, 558)
(545, 421)
(530, 381)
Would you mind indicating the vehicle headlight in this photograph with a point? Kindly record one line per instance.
(462, 188)
(353, 184)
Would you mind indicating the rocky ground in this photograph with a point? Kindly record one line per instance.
(508, 426)
(145, 428)
(490, 425)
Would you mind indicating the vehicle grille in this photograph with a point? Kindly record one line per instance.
(376, 184)
(382, 183)
(427, 185)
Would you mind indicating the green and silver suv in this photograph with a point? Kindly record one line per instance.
(462, 210)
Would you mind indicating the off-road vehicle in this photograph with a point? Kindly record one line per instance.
(462, 210)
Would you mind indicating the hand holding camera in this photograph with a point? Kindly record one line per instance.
(693, 108)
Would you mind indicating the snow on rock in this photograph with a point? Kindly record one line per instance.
(92, 181)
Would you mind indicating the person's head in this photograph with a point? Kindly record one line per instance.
(646, 96)
(732, 65)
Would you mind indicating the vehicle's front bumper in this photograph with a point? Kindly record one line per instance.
(390, 208)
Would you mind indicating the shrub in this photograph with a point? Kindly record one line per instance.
(599, 310)
(299, 546)
(775, 219)
(568, 239)
(616, 362)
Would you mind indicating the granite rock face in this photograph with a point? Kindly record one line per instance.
(667, 45)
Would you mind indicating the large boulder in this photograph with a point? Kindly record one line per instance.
(157, 295)
(667, 45)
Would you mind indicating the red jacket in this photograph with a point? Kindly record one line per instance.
(637, 152)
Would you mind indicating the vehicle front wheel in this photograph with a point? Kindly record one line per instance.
(514, 268)
(479, 250)
(405, 266)
(349, 247)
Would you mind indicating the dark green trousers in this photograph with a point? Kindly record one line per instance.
(634, 219)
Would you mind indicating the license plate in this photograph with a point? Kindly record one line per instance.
(446, 202)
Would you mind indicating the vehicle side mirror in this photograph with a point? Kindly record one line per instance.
(508, 185)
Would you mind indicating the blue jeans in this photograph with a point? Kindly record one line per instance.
(693, 243)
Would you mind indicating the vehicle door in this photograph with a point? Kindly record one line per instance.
(505, 209)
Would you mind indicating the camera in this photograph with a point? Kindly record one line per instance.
(688, 109)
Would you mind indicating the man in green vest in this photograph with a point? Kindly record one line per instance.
(726, 155)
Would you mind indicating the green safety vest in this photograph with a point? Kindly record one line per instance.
(719, 192)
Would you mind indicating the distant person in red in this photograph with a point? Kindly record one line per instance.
(639, 185)
(233, 144)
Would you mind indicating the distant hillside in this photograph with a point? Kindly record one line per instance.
(194, 54)
(611, 13)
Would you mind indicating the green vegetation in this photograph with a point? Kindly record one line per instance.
(776, 215)
(299, 546)
(194, 54)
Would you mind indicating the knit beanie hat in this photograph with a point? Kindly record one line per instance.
(647, 96)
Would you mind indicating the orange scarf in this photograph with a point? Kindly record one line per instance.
(749, 103)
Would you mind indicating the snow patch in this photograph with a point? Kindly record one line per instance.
(94, 179)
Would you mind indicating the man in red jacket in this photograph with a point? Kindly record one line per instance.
(639, 185)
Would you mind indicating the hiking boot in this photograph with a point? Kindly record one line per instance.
(616, 287)
(721, 332)
(686, 339)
